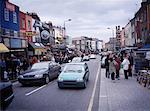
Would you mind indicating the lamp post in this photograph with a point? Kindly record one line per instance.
(65, 26)
(112, 37)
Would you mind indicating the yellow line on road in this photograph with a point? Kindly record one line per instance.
(93, 93)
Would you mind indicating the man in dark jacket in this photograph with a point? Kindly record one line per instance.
(107, 66)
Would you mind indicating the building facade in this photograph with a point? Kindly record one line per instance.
(142, 24)
(123, 38)
(10, 28)
(59, 34)
(118, 38)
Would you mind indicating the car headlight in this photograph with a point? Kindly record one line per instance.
(60, 79)
(21, 76)
(38, 76)
(79, 79)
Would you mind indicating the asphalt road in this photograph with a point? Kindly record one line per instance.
(50, 98)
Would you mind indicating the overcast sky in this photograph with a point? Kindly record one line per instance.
(89, 17)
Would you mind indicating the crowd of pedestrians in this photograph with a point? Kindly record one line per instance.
(115, 65)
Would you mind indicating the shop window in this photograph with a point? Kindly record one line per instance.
(14, 17)
(6, 14)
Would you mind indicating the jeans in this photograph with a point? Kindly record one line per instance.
(126, 74)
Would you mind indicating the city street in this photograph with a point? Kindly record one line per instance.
(51, 98)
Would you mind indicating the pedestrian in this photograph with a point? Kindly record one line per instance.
(25, 64)
(118, 63)
(130, 65)
(82, 56)
(2, 69)
(34, 60)
(8, 65)
(14, 67)
(112, 68)
(107, 66)
(125, 64)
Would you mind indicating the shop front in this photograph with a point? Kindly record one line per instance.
(16, 46)
(36, 49)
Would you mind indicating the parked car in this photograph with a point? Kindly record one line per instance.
(74, 75)
(103, 62)
(92, 56)
(6, 94)
(86, 58)
(41, 72)
(76, 59)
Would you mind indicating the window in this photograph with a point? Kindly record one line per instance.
(14, 17)
(6, 14)
(29, 25)
(23, 23)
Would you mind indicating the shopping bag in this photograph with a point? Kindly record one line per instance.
(121, 71)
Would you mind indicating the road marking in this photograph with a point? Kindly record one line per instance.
(27, 94)
(103, 96)
(93, 93)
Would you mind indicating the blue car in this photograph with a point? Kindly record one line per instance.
(74, 75)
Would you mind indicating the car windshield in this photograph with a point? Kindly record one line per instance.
(40, 66)
(73, 68)
(85, 57)
(77, 59)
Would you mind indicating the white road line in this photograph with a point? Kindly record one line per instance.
(93, 93)
(27, 94)
(103, 96)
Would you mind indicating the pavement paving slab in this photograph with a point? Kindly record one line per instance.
(123, 95)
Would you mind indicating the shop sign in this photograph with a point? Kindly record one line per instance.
(30, 33)
(45, 34)
(10, 6)
(38, 52)
(15, 43)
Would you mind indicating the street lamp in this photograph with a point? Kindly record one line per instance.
(112, 37)
(65, 26)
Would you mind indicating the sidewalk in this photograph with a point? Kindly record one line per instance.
(123, 95)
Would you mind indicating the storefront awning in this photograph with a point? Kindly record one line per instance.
(37, 45)
(3, 48)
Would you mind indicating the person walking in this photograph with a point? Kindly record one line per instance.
(130, 65)
(34, 60)
(118, 63)
(125, 64)
(82, 56)
(2, 69)
(112, 68)
(25, 64)
(107, 66)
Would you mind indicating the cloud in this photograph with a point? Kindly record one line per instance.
(89, 17)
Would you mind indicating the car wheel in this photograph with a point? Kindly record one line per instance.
(23, 84)
(47, 79)
(88, 79)
(59, 86)
(84, 84)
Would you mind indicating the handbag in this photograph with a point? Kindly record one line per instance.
(121, 71)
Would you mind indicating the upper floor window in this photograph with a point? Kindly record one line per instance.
(29, 24)
(14, 17)
(6, 14)
(23, 23)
